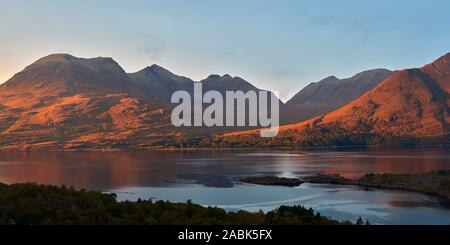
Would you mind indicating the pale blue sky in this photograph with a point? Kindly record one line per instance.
(277, 45)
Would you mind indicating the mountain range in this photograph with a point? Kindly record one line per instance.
(64, 102)
(410, 106)
(332, 93)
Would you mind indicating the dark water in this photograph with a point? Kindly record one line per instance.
(211, 178)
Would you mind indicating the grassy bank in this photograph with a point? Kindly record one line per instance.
(32, 204)
(436, 183)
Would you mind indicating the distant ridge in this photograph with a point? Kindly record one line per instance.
(411, 106)
(58, 73)
(159, 83)
(63, 102)
(332, 93)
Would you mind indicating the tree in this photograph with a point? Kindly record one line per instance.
(360, 221)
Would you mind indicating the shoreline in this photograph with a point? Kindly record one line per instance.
(172, 149)
(34, 204)
(438, 192)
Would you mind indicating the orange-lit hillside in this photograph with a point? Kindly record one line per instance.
(410, 103)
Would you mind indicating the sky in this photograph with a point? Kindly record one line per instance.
(277, 45)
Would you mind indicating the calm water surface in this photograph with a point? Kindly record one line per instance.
(212, 178)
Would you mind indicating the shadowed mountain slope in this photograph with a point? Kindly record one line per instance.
(64, 102)
(412, 105)
(159, 83)
(332, 93)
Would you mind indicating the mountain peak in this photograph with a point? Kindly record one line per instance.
(155, 70)
(331, 93)
(227, 83)
(373, 72)
(443, 61)
(91, 63)
(155, 67)
(329, 79)
(64, 72)
(68, 57)
(213, 77)
(439, 70)
(219, 77)
(55, 58)
(447, 55)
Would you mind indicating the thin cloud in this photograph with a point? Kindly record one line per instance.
(361, 24)
(223, 55)
(325, 20)
(152, 45)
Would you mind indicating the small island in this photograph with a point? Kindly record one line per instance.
(272, 180)
(435, 183)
